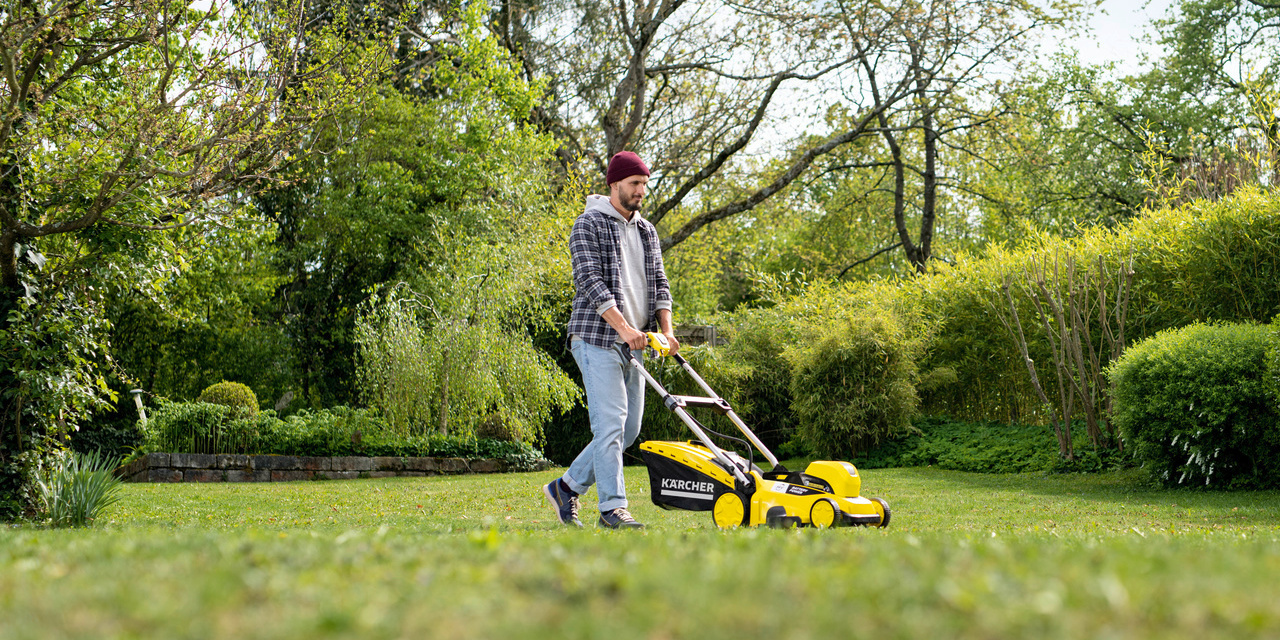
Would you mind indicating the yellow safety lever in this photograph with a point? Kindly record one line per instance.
(658, 342)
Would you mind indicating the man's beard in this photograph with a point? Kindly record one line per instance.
(631, 204)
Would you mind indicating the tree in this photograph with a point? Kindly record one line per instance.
(120, 121)
(1080, 147)
(698, 87)
(694, 87)
(439, 169)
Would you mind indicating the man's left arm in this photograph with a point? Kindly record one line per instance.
(662, 289)
(664, 325)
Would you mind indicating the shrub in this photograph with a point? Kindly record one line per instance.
(203, 427)
(232, 394)
(11, 490)
(200, 427)
(429, 372)
(339, 431)
(756, 377)
(852, 383)
(1194, 407)
(986, 447)
(1273, 360)
(660, 423)
(501, 425)
(76, 487)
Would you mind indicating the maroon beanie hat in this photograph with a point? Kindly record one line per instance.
(623, 165)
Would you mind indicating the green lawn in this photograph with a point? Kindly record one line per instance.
(967, 556)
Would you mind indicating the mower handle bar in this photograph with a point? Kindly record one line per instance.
(733, 417)
(688, 420)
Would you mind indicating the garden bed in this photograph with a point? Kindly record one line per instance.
(197, 467)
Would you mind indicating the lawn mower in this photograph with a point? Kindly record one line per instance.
(701, 476)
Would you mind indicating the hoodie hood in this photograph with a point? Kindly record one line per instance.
(601, 203)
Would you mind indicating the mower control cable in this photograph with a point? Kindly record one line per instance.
(745, 445)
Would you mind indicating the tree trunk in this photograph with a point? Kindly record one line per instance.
(929, 210)
(444, 393)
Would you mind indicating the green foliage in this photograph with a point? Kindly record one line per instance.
(13, 484)
(199, 427)
(202, 427)
(661, 423)
(1194, 406)
(440, 374)
(210, 318)
(1200, 262)
(1273, 359)
(986, 447)
(758, 377)
(445, 189)
(73, 488)
(853, 382)
(113, 433)
(1207, 260)
(51, 354)
(238, 396)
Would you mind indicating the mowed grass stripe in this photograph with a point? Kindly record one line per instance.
(968, 556)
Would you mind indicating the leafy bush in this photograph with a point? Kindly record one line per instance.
(204, 427)
(985, 447)
(76, 487)
(112, 432)
(853, 383)
(1194, 406)
(200, 427)
(755, 376)
(339, 431)
(1273, 359)
(11, 486)
(1201, 262)
(429, 372)
(660, 423)
(231, 394)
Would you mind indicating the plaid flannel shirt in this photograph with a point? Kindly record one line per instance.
(595, 250)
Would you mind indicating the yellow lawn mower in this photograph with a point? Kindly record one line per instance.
(701, 476)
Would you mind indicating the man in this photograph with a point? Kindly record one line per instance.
(621, 293)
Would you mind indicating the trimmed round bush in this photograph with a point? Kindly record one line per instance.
(239, 397)
(1194, 407)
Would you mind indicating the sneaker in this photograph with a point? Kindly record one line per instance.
(565, 503)
(619, 518)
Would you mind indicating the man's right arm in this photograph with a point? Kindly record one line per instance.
(630, 335)
(588, 277)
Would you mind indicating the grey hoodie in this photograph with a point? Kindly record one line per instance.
(634, 288)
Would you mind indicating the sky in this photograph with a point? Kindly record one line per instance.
(1117, 29)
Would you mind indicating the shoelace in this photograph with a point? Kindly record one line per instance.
(573, 508)
(623, 515)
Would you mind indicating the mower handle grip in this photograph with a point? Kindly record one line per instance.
(625, 350)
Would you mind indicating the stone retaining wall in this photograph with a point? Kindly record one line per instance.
(196, 467)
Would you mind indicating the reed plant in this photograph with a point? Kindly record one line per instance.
(73, 488)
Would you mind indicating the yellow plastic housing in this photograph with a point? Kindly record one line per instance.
(797, 500)
(690, 455)
(842, 476)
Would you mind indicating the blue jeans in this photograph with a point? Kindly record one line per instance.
(615, 402)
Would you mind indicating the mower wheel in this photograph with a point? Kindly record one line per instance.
(729, 510)
(824, 514)
(884, 521)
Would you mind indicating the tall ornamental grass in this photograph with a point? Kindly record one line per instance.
(1200, 262)
(75, 487)
(1203, 261)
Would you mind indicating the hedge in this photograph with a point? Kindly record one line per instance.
(1195, 406)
